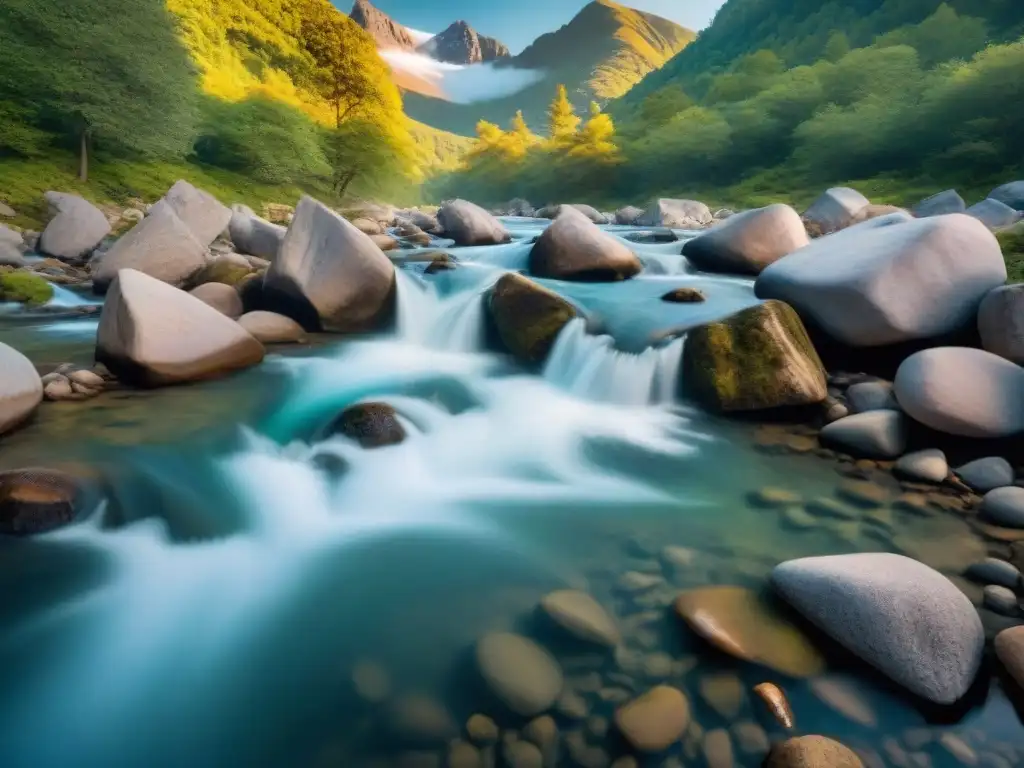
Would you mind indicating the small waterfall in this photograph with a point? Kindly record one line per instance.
(591, 366)
(453, 323)
(64, 297)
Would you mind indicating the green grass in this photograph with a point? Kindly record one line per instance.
(1012, 242)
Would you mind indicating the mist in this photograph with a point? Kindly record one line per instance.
(462, 83)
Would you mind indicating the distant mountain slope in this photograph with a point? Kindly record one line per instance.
(598, 55)
(387, 32)
(799, 30)
(461, 44)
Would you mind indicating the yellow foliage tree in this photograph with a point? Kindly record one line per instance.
(562, 119)
(595, 139)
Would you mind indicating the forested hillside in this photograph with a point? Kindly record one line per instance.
(921, 106)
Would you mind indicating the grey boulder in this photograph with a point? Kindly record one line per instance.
(993, 571)
(748, 242)
(11, 244)
(594, 215)
(76, 228)
(253, 235)
(469, 224)
(21, 389)
(871, 396)
(152, 334)
(161, 246)
(962, 391)
(1004, 506)
(223, 298)
(328, 274)
(1001, 322)
(940, 204)
(676, 214)
(834, 209)
(993, 214)
(272, 328)
(574, 248)
(902, 617)
(886, 281)
(1011, 194)
(628, 216)
(873, 435)
(929, 466)
(202, 213)
(984, 475)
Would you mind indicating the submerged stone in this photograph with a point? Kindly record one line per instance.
(372, 425)
(757, 359)
(36, 500)
(582, 616)
(654, 721)
(812, 752)
(521, 674)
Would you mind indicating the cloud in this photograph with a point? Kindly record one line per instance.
(462, 83)
(419, 37)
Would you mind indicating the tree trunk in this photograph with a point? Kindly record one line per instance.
(346, 180)
(83, 157)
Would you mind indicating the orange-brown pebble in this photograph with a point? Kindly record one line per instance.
(776, 702)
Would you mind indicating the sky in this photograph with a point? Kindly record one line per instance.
(518, 23)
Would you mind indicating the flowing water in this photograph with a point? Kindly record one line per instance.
(212, 610)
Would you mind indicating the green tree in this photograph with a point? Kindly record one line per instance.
(562, 118)
(100, 74)
(360, 153)
(838, 45)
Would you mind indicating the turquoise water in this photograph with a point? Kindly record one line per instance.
(211, 612)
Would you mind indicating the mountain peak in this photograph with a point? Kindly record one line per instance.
(385, 31)
(461, 44)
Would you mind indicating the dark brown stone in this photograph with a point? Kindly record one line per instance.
(372, 425)
(684, 295)
(36, 500)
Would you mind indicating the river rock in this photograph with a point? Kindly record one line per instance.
(1009, 648)
(253, 235)
(751, 738)
(928, 466)
(724, 693)
(482, 730)
(812, 752)
(372, 425)
(1011, 194)
(994, 571)
(844, 697)
(758, 358)
(628, 216)
(152, 334)
(227, 268)
(993, 214)
(776, 702)
(527, 316)
(873, 211)
(684, 295)
(554, 211)
(463, 755)
(740, 623)
(873, 435)
(718, 749)
(36, 500)
(1001, 322)
(161, 246)
(76, 228)
(834, 209)
(676, 214)
(21, 389)
(748, 242)
(202, 213)
(581, 616)
(521, 674)
(962, 391)
(1004, 506)
(10, 248)
(984, 475)
(574, 248)
(421, 719)
(871, 396)
(223, 298)
(876, 283)
(1001, 600)
(371, 682)
(899, 615)
(328, 275)
(469, 224)
(654, 721)
(272, 328)
(522, 754)
(940, 204)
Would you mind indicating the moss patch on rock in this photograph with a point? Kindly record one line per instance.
(25, 287)
(1012, 242)
(221, 271)
(528, 316)
(757, 359)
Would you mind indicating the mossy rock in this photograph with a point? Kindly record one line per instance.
(757, 359)
(25, 288)
(222, 271)
(528, 316)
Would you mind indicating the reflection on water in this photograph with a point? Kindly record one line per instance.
(211, 613)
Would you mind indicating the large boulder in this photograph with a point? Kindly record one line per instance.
(253, 235)
(76, 228)
(882, 282)
(329, 275)
(834, 209)
(11, 244)
(574, 248)
(469, 224)
(676, 214)
(1011, 194)
(994, 214)
(554, 211)
(962, 391)
(272, 328)
(940, 204)
(202, 213)
(905, 619)
(758, 358)
(749, 241)
(812, 752)
(161, 246)
(152, 334)
(1001, 322)
(628, 215)
(21, 389)
(874, 435)
(223, 298)
(527, 316)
